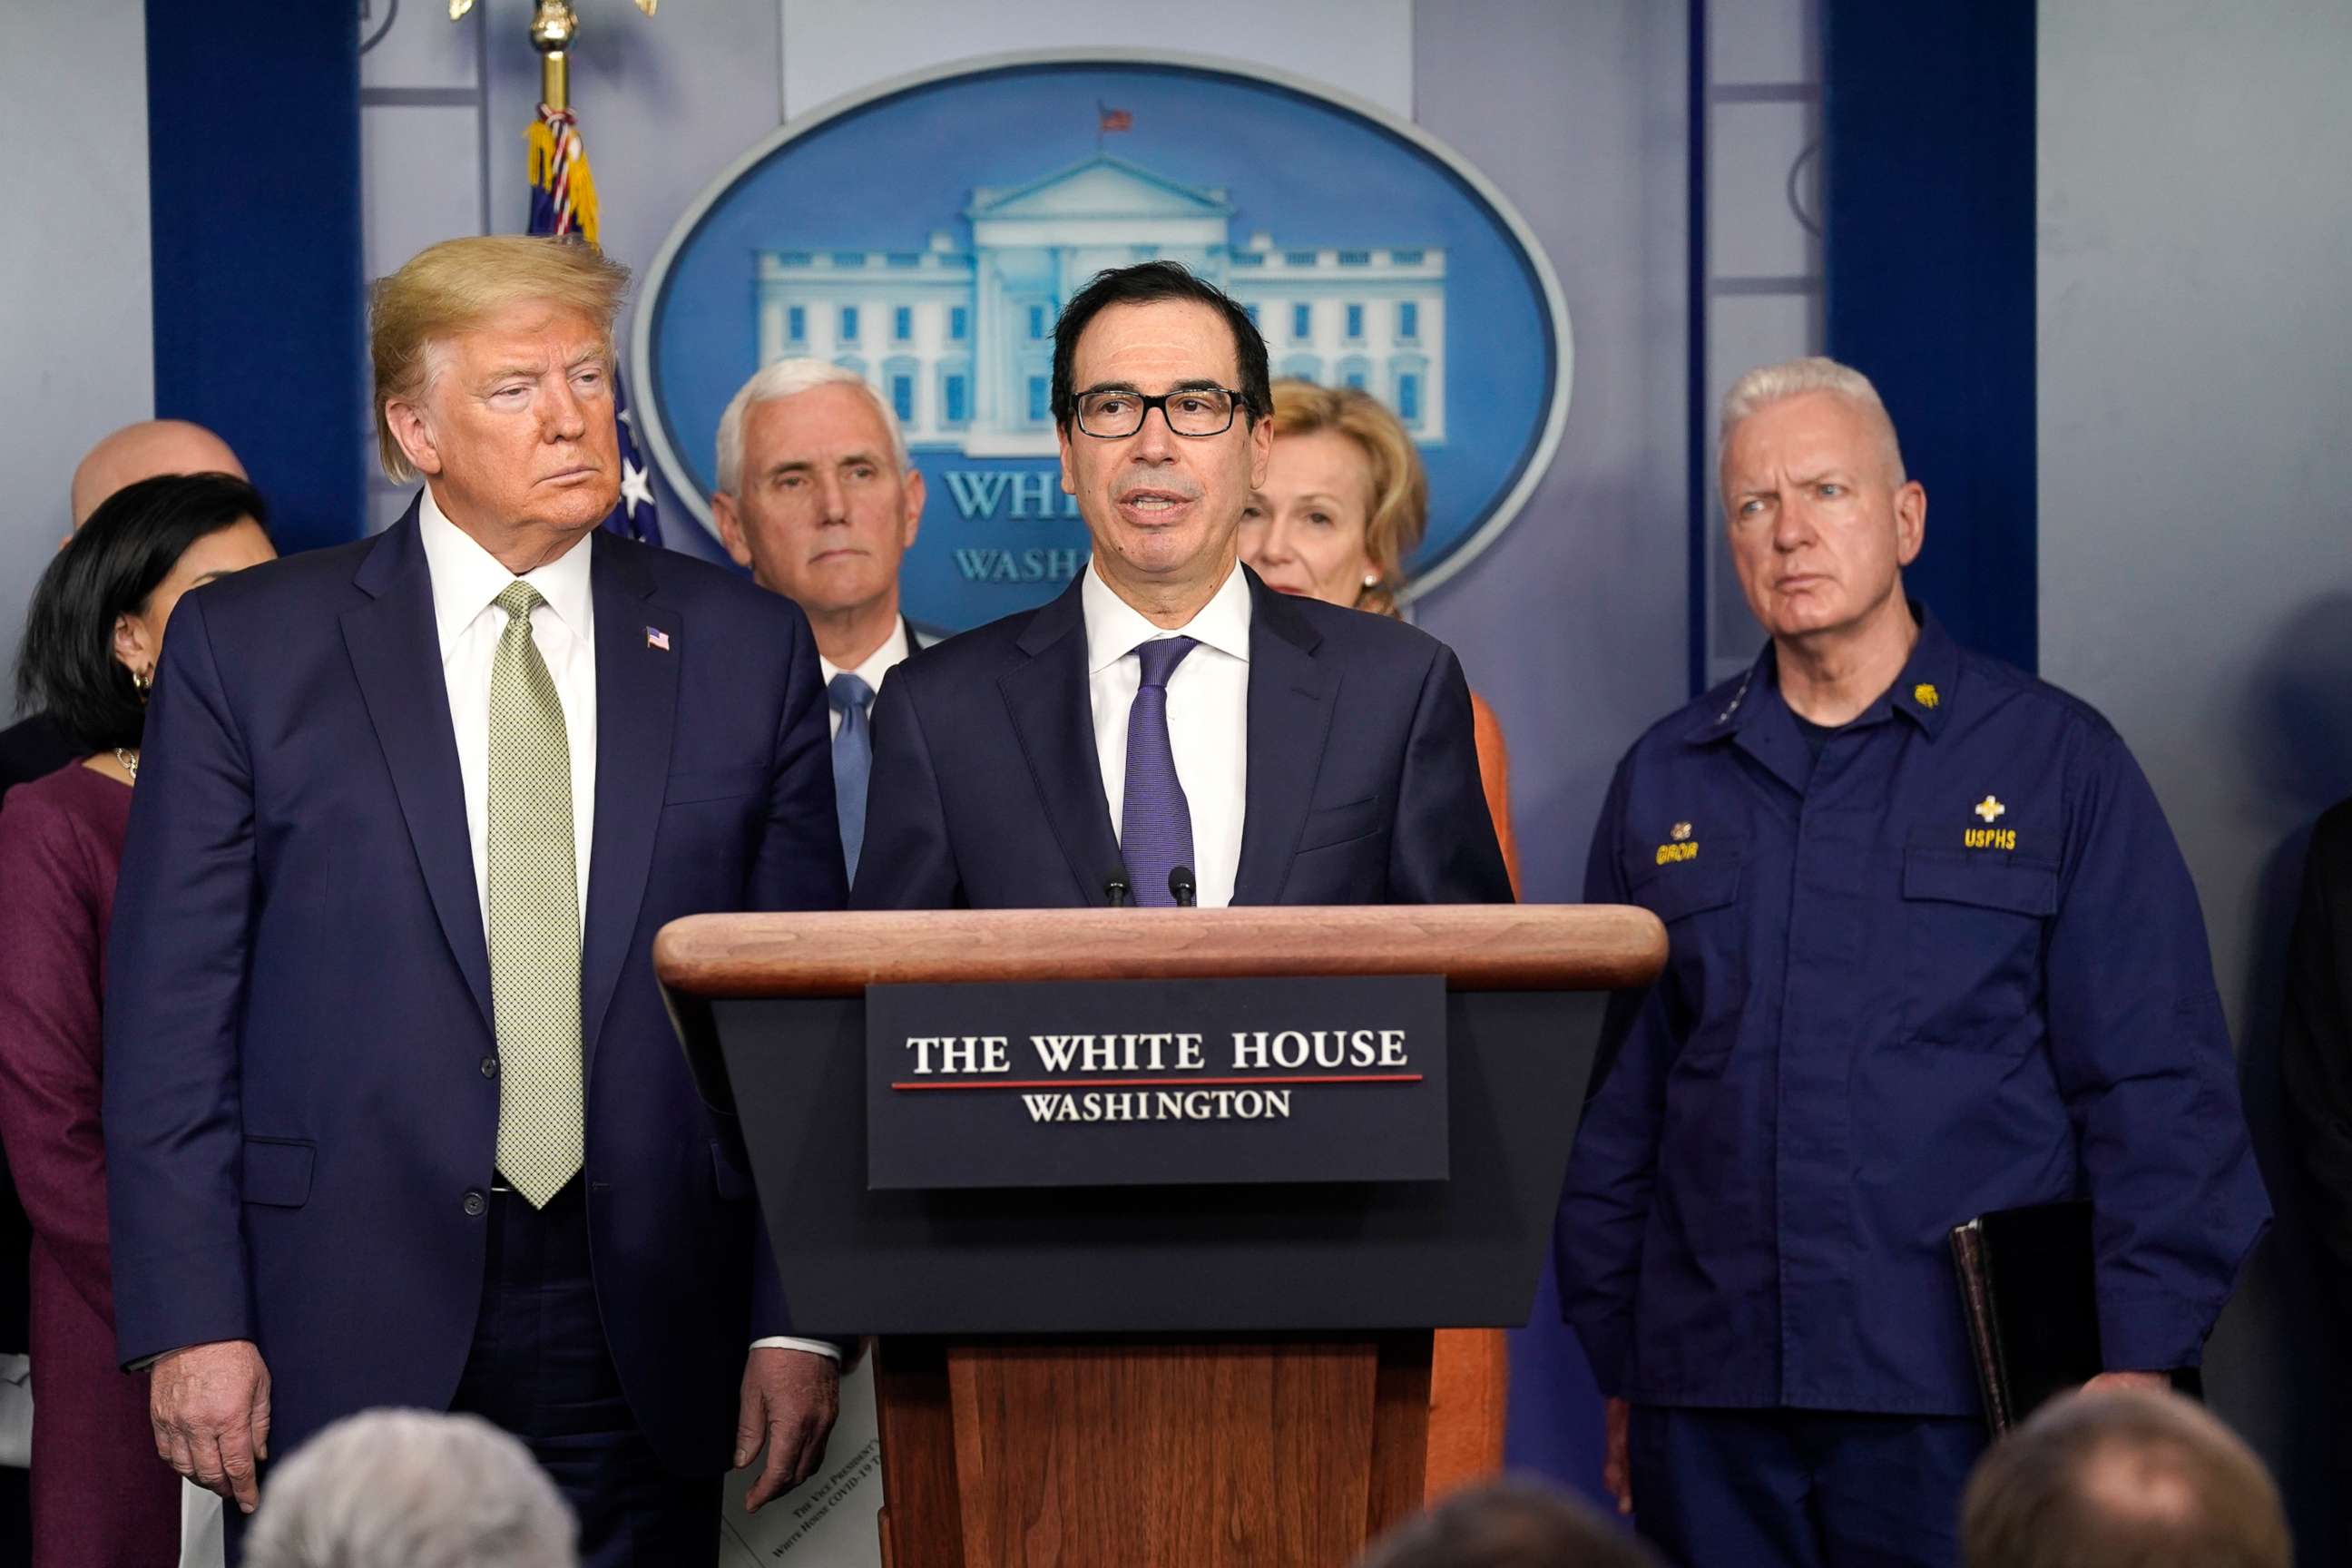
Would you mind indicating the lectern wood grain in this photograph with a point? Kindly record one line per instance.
(1482, 947)
(1210, 1453)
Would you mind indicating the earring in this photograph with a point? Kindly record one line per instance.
(1372, 579)
(143, 681)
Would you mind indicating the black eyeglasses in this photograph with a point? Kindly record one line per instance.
(1109, 416)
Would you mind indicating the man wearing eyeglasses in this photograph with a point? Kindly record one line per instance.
(1170, 730)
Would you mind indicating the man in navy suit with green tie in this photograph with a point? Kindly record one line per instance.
(394, 1115)
(1170, 730)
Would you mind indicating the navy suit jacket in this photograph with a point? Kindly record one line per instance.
(1362, 779)
(300, 1107)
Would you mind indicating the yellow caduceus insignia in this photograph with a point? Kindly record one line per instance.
(1925, 695)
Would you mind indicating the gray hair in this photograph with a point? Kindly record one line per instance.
(2123, 1479)
(1767, 384)
(1516, 1522)
(410, 1489)
(787, 378)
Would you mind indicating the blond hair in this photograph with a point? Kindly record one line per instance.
(1400, 510)
(455, 285)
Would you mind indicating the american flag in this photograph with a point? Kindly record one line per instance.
(1109, 119)
(563, 201)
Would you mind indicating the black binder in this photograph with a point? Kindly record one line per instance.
(2028, 1296)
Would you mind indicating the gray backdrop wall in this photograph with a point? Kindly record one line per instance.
(77, 354)
(2196, 554)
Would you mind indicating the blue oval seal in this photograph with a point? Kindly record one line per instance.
(927, 230)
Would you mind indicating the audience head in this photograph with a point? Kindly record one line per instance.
(2128, 1478)
(1345, 498)
(95, 626)
(1820, 519)
(410, 1489)
(1509, 1524)
(143, 450)
(1161, 489)
(815, 493)
(494, 380)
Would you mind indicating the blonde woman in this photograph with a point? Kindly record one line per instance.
(1345, 500)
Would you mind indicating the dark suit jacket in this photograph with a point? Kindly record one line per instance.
(2316, 1038)
(1363, 780)
(300, 1105)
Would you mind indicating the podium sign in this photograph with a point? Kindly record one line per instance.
(1101, 1083)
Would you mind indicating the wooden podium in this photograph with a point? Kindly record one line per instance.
(1206, 1375)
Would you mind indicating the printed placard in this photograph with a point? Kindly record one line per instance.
(1129, 1082)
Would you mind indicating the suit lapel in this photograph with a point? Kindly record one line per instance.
(396, 654)
(637, 708)
(1290, 705)
(1046, 697)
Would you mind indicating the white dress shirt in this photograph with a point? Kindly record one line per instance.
(1208, 716)
(467, 581)
(877, 663)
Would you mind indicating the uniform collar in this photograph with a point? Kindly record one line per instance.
(1923, 692)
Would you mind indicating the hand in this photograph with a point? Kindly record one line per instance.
(1616, 1469)
(209, 1404)
(790, 1398)
(2156, 1382)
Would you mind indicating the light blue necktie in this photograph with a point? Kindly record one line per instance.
(1155, 834)
(853, 761)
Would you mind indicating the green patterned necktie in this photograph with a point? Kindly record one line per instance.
(534, 914)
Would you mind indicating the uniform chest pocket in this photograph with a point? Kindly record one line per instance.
(1706, 980)
(1973, 927)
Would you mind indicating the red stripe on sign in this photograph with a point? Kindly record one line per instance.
(1158, 1082)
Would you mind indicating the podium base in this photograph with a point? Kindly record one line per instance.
(1203, 1452)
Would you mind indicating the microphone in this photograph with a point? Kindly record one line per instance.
(1115, 890)
(1181, 889)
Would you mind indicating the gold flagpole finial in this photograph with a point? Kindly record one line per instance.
(554, 25)
(460, 9)
(553, 28)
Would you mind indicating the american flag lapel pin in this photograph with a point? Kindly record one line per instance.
(658, 639)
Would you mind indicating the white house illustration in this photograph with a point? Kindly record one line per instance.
(961, 341)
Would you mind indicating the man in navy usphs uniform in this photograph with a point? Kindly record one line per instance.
(1934, 952)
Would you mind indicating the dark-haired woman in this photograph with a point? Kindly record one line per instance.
(100, 1495)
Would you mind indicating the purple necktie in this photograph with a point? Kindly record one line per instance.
(1155, 821)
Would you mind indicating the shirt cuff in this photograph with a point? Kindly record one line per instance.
(2151, 1334)
(786, 1342)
